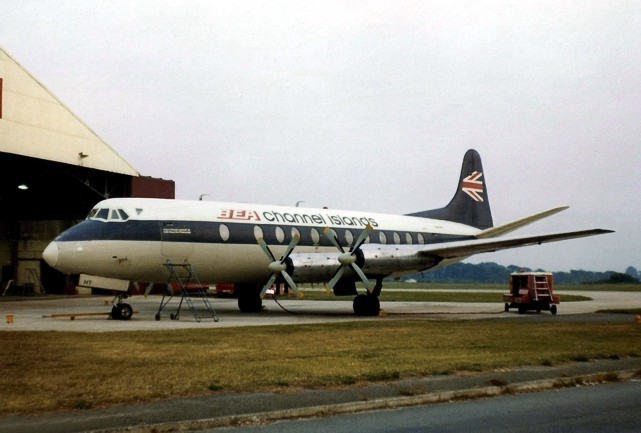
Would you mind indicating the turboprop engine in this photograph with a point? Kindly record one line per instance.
(371, 259)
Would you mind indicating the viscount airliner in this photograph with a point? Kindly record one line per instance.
(255, 245)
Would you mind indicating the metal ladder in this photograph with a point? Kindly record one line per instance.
(190, 285)
(541, 287)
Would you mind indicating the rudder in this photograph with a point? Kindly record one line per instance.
(470, 204)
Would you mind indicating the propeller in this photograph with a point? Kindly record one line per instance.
(348, 259)
(279, 267)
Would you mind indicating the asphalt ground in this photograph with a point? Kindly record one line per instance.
(39, 314)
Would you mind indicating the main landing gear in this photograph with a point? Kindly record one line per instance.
(368, 304)
(249, 300)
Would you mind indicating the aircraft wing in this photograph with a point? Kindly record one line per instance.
(452, 250)
(493, 232)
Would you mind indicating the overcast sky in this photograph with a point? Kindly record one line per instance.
(364, 105)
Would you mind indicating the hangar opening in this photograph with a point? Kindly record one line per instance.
(53, 170)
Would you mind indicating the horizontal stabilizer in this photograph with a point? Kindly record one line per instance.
(453, 250)
(493, 232)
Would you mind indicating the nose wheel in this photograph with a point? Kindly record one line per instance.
(122, 311)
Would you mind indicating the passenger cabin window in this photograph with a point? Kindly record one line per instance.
(295, 232)
(408, 238)
(315, 236)
(397, 238)
(224, 232)
(258, 233)
(349, 237)
(280, 234)
(421, 239)
(382, 238)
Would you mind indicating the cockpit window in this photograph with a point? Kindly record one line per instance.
(92, 213)
(108, 214)
(102, 214)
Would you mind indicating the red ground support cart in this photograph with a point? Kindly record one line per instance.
(531, 291)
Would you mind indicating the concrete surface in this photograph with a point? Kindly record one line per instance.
(35, 314)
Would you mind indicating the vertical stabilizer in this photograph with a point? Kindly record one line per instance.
(470, 204)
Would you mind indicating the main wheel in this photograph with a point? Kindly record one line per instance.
(553, 309)
(249, 301)
(366, 305)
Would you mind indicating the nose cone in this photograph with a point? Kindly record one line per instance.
(50, 254)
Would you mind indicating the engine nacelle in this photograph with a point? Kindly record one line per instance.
(372, 259)
(399, 259)
(314, 267)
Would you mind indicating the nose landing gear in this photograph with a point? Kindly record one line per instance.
(121, 310)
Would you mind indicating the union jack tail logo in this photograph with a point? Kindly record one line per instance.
(473, 186)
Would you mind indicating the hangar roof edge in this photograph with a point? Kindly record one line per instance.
(36, 123)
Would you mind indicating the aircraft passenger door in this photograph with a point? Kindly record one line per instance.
(176, 241)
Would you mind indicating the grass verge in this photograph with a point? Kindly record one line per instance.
(49, 371)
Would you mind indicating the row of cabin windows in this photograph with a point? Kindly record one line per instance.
(315, 235)
(348, 236)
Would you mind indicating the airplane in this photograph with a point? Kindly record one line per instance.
(257, 245)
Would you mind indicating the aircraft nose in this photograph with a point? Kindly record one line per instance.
(50, 254)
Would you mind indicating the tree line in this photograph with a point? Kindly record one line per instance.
(493, 273)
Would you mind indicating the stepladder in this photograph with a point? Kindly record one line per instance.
(184, 283)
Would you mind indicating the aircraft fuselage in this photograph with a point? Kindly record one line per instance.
(129, 238)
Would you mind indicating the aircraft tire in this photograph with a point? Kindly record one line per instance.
(124, 312)
(366, 305)
(249, 303)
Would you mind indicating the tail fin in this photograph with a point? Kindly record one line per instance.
(470, 204)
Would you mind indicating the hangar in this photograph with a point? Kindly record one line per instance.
(53, 169)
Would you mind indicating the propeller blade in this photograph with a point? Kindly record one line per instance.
(361, 274)
(277, 267)
(362, 237)
(331, 235)
(290, 247)
(337, 276)
(268, 284)
(291, 283)
(266, 249)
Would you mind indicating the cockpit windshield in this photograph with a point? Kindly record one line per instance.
(105, 214)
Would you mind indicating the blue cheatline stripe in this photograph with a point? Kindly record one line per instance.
(238, 233)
